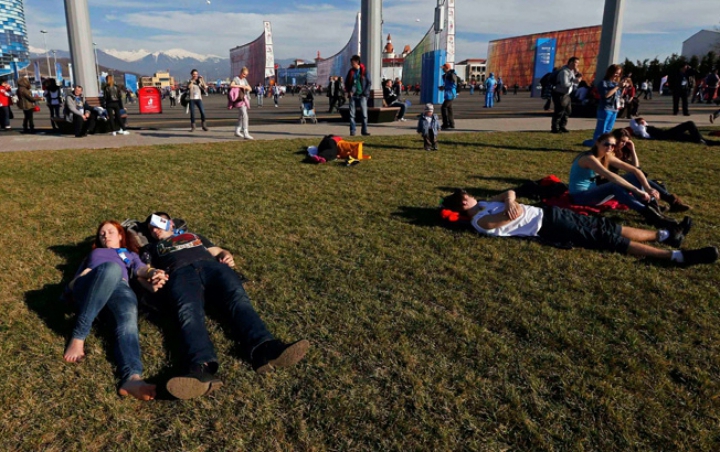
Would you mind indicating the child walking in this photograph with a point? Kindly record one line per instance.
(429, 128)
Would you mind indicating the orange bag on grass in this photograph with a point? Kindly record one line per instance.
(352, 149)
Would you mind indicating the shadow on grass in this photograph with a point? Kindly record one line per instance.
(506, 147)
(480, 194)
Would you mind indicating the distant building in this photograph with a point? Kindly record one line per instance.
(701, 43)
(14, 49)
(161, 79)
(472, 69)
(525, 59)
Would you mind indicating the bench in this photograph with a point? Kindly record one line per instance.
(100, 126)
(375, 114)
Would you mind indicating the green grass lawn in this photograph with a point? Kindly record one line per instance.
(423, 338)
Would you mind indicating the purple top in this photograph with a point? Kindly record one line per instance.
(100, 256)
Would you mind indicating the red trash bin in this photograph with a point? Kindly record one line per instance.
(150, 100)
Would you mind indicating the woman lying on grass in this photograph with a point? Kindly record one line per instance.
(502, 216)
(633, 189)
(101, 286)
(626, 152)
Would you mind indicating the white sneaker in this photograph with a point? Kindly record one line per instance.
(114, 133)
(239, 133)
(248, 137)
(123, 132)
(402, 119)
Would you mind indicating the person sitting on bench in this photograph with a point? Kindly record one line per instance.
(503, 216)
(80, 113)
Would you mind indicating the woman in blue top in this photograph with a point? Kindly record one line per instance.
(609, 100)
(633, 189)
(101, 285)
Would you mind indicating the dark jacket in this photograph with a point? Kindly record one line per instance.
(365, 82)
(389, 95)
(106, 95)
(676, 82)
(26, 101)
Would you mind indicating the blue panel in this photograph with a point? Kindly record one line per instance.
(544, 62)
(432, 77)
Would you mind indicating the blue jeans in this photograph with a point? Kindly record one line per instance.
(605, 122)
(190, 287)
(489, 99)
(199, 104)
(597, 194)
(362, 101)
(103, 289)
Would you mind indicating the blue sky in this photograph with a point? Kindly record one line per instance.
(300, 29)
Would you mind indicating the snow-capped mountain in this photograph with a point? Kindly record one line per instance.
(179, 54)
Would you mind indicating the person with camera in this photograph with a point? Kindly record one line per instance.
(610, 100)
(196, 87)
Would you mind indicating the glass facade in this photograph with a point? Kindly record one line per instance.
(13, 37)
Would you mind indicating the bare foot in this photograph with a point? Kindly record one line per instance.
(138, 388)
(75, 351)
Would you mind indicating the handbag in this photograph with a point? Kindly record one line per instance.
(36, 108)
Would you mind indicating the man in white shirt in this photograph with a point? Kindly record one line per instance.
(683, 132)
(503, 216)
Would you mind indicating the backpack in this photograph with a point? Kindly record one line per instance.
(185, 99)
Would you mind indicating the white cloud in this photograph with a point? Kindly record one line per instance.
(303, 29)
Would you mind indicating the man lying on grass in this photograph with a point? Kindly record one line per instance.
(502, 216)
(199, 273)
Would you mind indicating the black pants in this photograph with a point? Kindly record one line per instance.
(172, 101)
(677, 97)
(28, 123)
(686, 131)
(448, 119)
(584, 231)
(563, 110)
(113, 109)
(84, 126)
(333, 101)
(430, 140)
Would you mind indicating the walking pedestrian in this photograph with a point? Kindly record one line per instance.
(53, 100)
(5, 103)
(196, 88)
(242, 104)
(610, 99)
(564, 84)
(112, 98)
(26, 103)
(680, 87)
(490, 85)
(449, 87)
(260, 93)
(276, 94)
(357, 85)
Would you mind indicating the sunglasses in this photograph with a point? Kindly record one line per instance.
(608, 144)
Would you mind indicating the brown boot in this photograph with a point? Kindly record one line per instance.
(677, 205)
(204, 127)
(192, 127)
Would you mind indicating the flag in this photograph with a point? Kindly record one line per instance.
(37, 72)
(58, 73)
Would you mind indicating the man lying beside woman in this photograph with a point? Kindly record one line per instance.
(190, 266)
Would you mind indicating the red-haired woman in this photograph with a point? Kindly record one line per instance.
(101, 286)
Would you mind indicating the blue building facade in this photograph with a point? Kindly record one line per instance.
(13, 37)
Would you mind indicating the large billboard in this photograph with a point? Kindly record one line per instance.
(412, 66)
(513, 59)
(339, 64)
(257, 56)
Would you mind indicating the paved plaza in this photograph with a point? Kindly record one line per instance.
(514, 113)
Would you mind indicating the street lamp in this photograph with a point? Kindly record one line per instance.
(47, 55)
(55, 64)
(97, 70)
